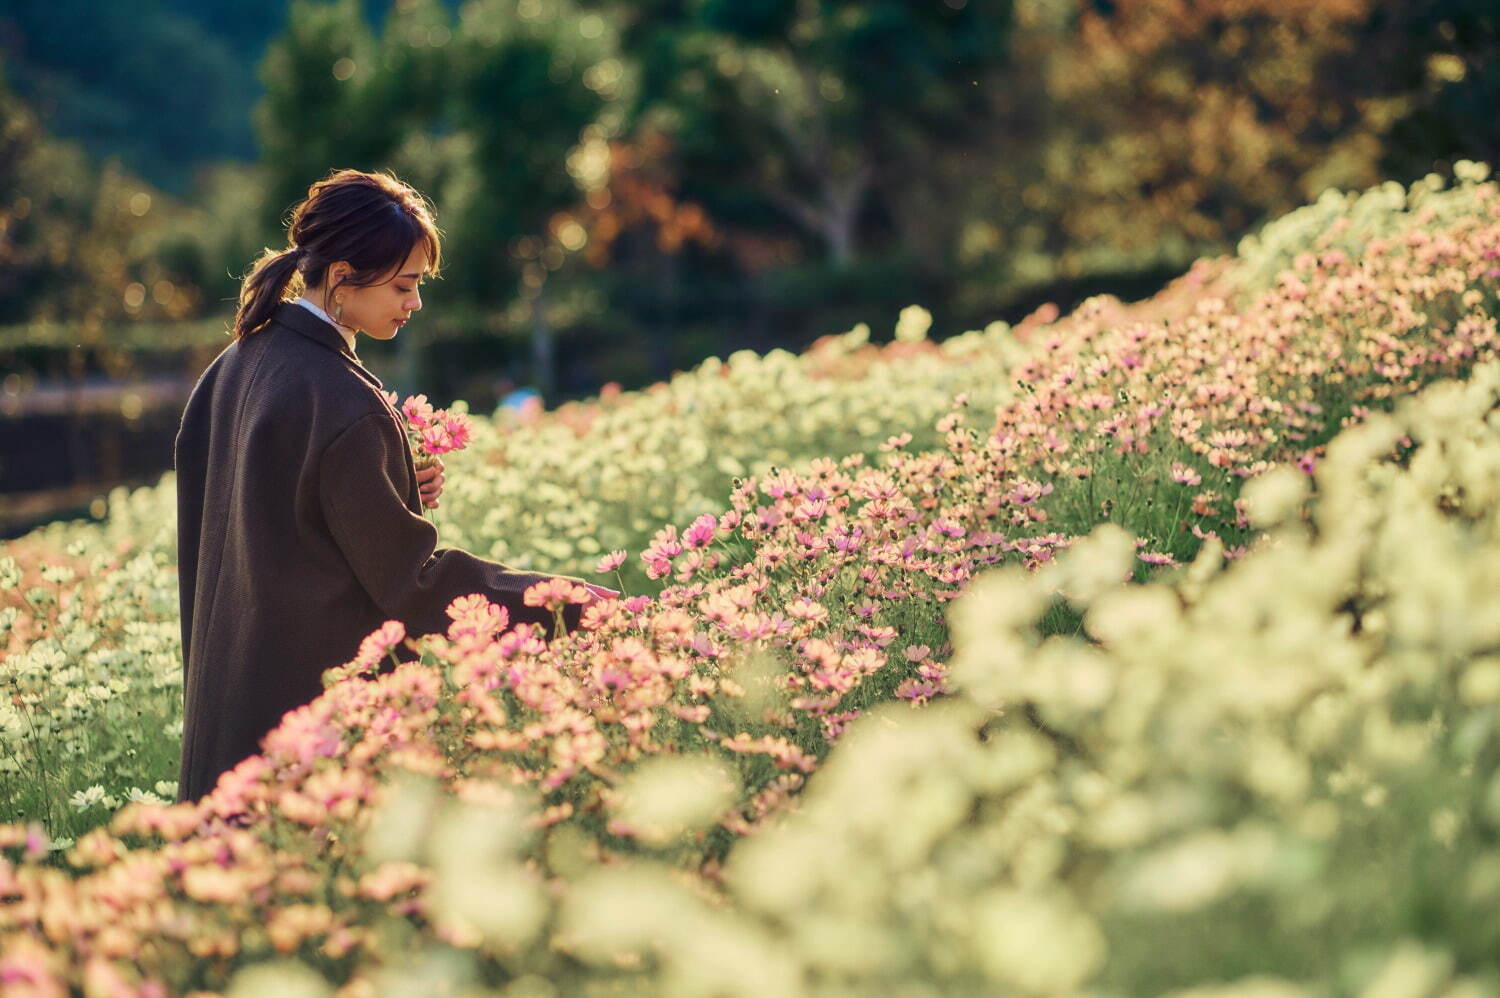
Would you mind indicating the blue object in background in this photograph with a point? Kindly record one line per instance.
(518, 398)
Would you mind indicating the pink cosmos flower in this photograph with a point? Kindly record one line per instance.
(37, 840)
(664, 545)
(418, 411)
(430, 431)
(554, 593)
(701, 533)
(1183, 475)
(476, 616)
(918, 691)
(610, 562)
(376, 644)
(434, 440)
(460, 430)
(696, 714)
(833, 724)
(806, 609)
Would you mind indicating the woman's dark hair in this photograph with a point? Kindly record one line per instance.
(372, 220)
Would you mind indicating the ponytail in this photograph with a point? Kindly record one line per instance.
(264, 288)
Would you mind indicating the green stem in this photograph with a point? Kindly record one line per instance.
(41, 762)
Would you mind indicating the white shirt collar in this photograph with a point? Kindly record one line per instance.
(315, 310)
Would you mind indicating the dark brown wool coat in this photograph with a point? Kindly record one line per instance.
(300, 531)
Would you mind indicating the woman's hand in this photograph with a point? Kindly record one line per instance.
(430, 484)
(600, 592)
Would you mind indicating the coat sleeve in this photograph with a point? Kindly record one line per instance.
(362, 478)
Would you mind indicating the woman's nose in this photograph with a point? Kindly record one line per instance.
(414, 303)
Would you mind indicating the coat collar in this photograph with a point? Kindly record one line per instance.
(296, 317)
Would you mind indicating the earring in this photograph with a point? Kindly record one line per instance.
(338, 310)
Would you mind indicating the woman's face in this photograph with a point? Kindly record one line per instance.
(380, 309)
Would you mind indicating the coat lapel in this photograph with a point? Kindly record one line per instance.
(300, 319)
(296, 317)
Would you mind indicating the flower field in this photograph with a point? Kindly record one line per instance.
(981, 666)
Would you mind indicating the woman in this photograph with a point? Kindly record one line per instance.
(300, 526)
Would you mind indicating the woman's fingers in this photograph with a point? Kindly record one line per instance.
(430, 484)
(601, 592)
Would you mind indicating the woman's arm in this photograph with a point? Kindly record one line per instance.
(363, 485)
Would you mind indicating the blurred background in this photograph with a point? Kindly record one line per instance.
(627, 188)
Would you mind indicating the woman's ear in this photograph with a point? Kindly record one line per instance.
(338, 270)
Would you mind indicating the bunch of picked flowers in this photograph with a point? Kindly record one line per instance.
(432, 432)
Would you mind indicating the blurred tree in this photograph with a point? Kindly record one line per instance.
(1437, 63)
(25, 269)
(802, 112)
(527, 80)
(640, 202)
(210, 245)
(78, 241)
(532, 78)
(1138, 134)
(641, 233)
(136, 80)
(481, 115)
(412, 79)
(735, 172)
(319, 111)
(244, 28)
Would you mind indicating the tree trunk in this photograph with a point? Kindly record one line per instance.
(834, 217)
(543, 353)
(665, 332)
(840, 216)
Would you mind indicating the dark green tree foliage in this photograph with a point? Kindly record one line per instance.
(318, 112)
(412, 75)
(245, 28)
(480, 113)
(1445, 56)
(805, 113)
(133, 80)
(520, 97)
(24, 269)
(74, 235)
